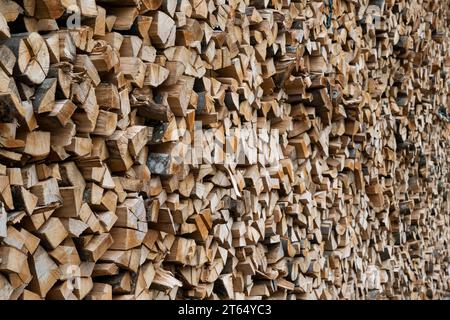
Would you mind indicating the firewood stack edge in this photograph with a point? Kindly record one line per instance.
(224, 149)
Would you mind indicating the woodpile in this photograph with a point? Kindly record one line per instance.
(212, 149)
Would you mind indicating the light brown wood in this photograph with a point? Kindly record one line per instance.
(33, 59)
(191, 149)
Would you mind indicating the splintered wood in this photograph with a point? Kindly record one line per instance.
(224, 149)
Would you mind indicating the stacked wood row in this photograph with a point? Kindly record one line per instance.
(224, 149)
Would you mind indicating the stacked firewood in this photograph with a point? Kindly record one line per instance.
(212, 149)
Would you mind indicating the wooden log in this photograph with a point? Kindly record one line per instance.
(163, 149)
(106, 123)
(41, 264)
(33, 59)
(162, 30)
(45, 96)
(47, 192)
(52, 233)
(3, 220)
(23, 199)
(97, 246)
(4, 28)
